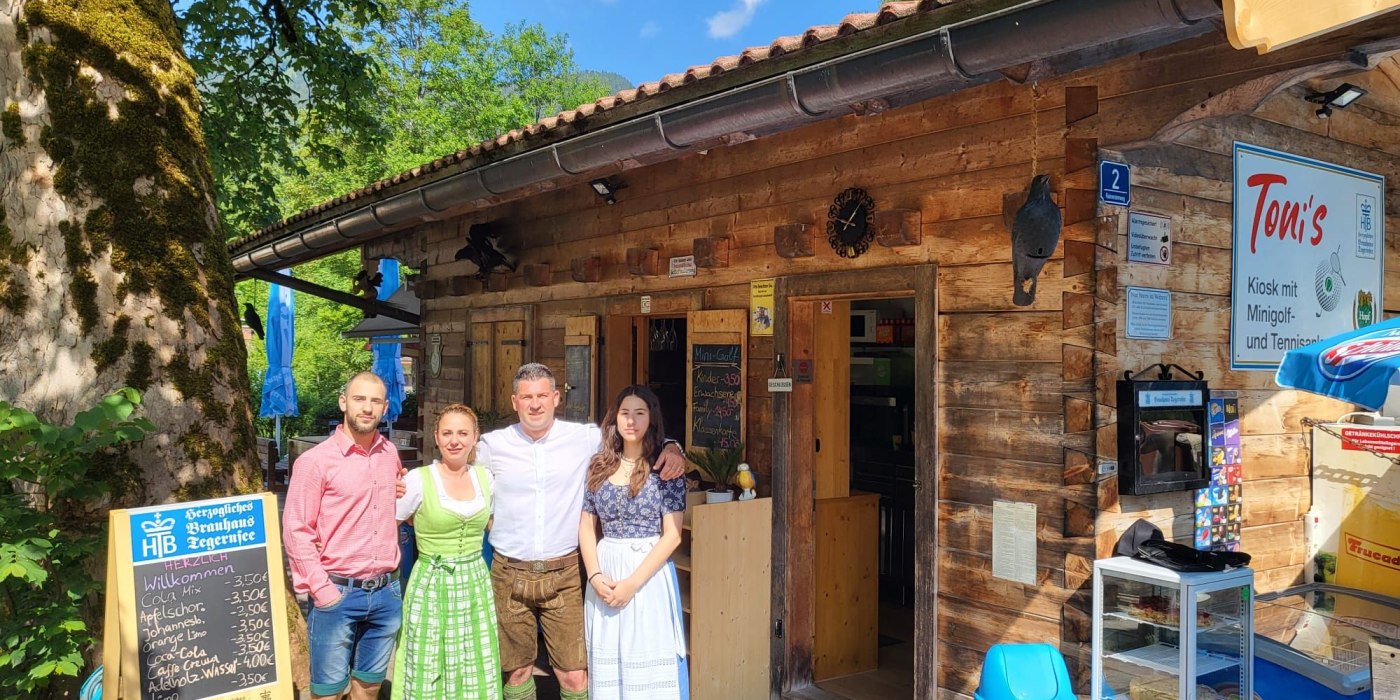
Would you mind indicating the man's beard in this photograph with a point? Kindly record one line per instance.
(355, 425)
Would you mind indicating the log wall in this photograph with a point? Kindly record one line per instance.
(1024, 402)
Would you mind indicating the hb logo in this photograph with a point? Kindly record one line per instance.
(159, 540)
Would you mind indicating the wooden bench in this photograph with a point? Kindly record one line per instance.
(267, 457)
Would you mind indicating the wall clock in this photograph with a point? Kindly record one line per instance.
(850, 223)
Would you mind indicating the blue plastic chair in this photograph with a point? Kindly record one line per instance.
(92, 687)
(1024, 672)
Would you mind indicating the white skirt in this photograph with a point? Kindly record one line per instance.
(636, 652)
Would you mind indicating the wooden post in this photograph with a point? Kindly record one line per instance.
(645, 262)
(711, 252)
(794, 241)
(898, 227)
(537, 275)
(588, 269)
(459, 285)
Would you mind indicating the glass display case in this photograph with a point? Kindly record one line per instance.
(1166, 635)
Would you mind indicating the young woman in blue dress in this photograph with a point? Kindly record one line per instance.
(632, 605)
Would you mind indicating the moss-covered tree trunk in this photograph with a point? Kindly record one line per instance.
(113, 270)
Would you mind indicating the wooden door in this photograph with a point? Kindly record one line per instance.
(580, 368)
(716, 367)
(831, 384)
(509, 354)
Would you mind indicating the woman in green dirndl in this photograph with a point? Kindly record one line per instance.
(447, 646)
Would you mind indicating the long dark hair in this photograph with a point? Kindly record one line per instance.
(610, 456)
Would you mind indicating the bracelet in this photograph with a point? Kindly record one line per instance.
(596, 573)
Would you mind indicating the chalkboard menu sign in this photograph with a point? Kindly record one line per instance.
(578, 361)
(716, 395)
(198, 601)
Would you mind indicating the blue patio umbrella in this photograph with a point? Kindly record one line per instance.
(387, 363)
(1357, 366)
(279, 392)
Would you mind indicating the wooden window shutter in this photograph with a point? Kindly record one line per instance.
(717, 372)
(481, 337)
(580, 368)
(619, 353)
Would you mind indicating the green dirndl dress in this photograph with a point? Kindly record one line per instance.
(448, 649)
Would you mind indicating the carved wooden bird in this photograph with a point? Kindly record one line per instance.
(1034, 235)
(481, 249)
(253, 320)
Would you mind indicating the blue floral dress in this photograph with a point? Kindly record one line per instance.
(648, 632)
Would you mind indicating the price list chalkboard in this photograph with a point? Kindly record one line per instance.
(200, 606)
(716, 395)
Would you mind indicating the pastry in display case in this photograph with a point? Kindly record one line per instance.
(1161, 634)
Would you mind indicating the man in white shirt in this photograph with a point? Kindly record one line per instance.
(540, 466)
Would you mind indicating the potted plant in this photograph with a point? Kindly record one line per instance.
(718, 466)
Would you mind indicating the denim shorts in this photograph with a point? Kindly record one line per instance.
(353, 637)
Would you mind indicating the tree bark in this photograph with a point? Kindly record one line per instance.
(113, 270)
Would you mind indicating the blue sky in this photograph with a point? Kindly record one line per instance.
(645, 40)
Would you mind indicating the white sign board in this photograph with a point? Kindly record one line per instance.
(1309, 254)
(683, 266)
(1149, 313)
(1013, 541)
(1149, 238)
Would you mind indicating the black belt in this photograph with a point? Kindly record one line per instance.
(368, 584)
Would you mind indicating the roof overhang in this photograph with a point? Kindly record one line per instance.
(906, 61)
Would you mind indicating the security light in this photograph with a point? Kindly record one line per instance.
(1339, 98)
(607, 188)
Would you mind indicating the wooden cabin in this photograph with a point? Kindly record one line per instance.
(648, 228)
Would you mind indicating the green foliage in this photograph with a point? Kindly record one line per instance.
(281, 80)
(446, 83)
(719, 465)
(321, 359)
(53, 481)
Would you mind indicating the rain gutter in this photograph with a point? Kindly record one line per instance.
(943, 60)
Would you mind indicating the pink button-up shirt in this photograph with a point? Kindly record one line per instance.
(339, 517)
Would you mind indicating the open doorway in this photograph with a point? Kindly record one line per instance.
(663, 344)
(865, 516)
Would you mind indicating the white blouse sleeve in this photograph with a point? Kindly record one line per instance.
(490, 486)
(412, 497)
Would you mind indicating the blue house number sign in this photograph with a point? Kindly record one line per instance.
(1114, 183)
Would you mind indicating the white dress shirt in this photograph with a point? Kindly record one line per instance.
(538, 492)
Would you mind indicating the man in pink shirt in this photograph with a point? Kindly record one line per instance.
(342, 541)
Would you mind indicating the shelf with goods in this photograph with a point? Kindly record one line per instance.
(723, 568)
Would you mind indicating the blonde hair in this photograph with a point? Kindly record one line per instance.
(465, 410)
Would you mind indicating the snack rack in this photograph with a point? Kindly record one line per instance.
(1161, 634)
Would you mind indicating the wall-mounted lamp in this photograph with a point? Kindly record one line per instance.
(607, 188)
(1339, 98)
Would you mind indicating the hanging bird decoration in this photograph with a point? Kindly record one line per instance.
(253, 320)
(366, 285)
(1034, 235)
(481, 249)
(745, 480)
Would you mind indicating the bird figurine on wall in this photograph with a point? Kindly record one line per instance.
(745, 480)
(1034, 235)
(253, 320)
(481, 249)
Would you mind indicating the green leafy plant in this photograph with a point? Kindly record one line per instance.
(717, 465)
(54, 482)
(492, 420)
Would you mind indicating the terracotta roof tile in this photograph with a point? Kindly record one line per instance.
(850, 24)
